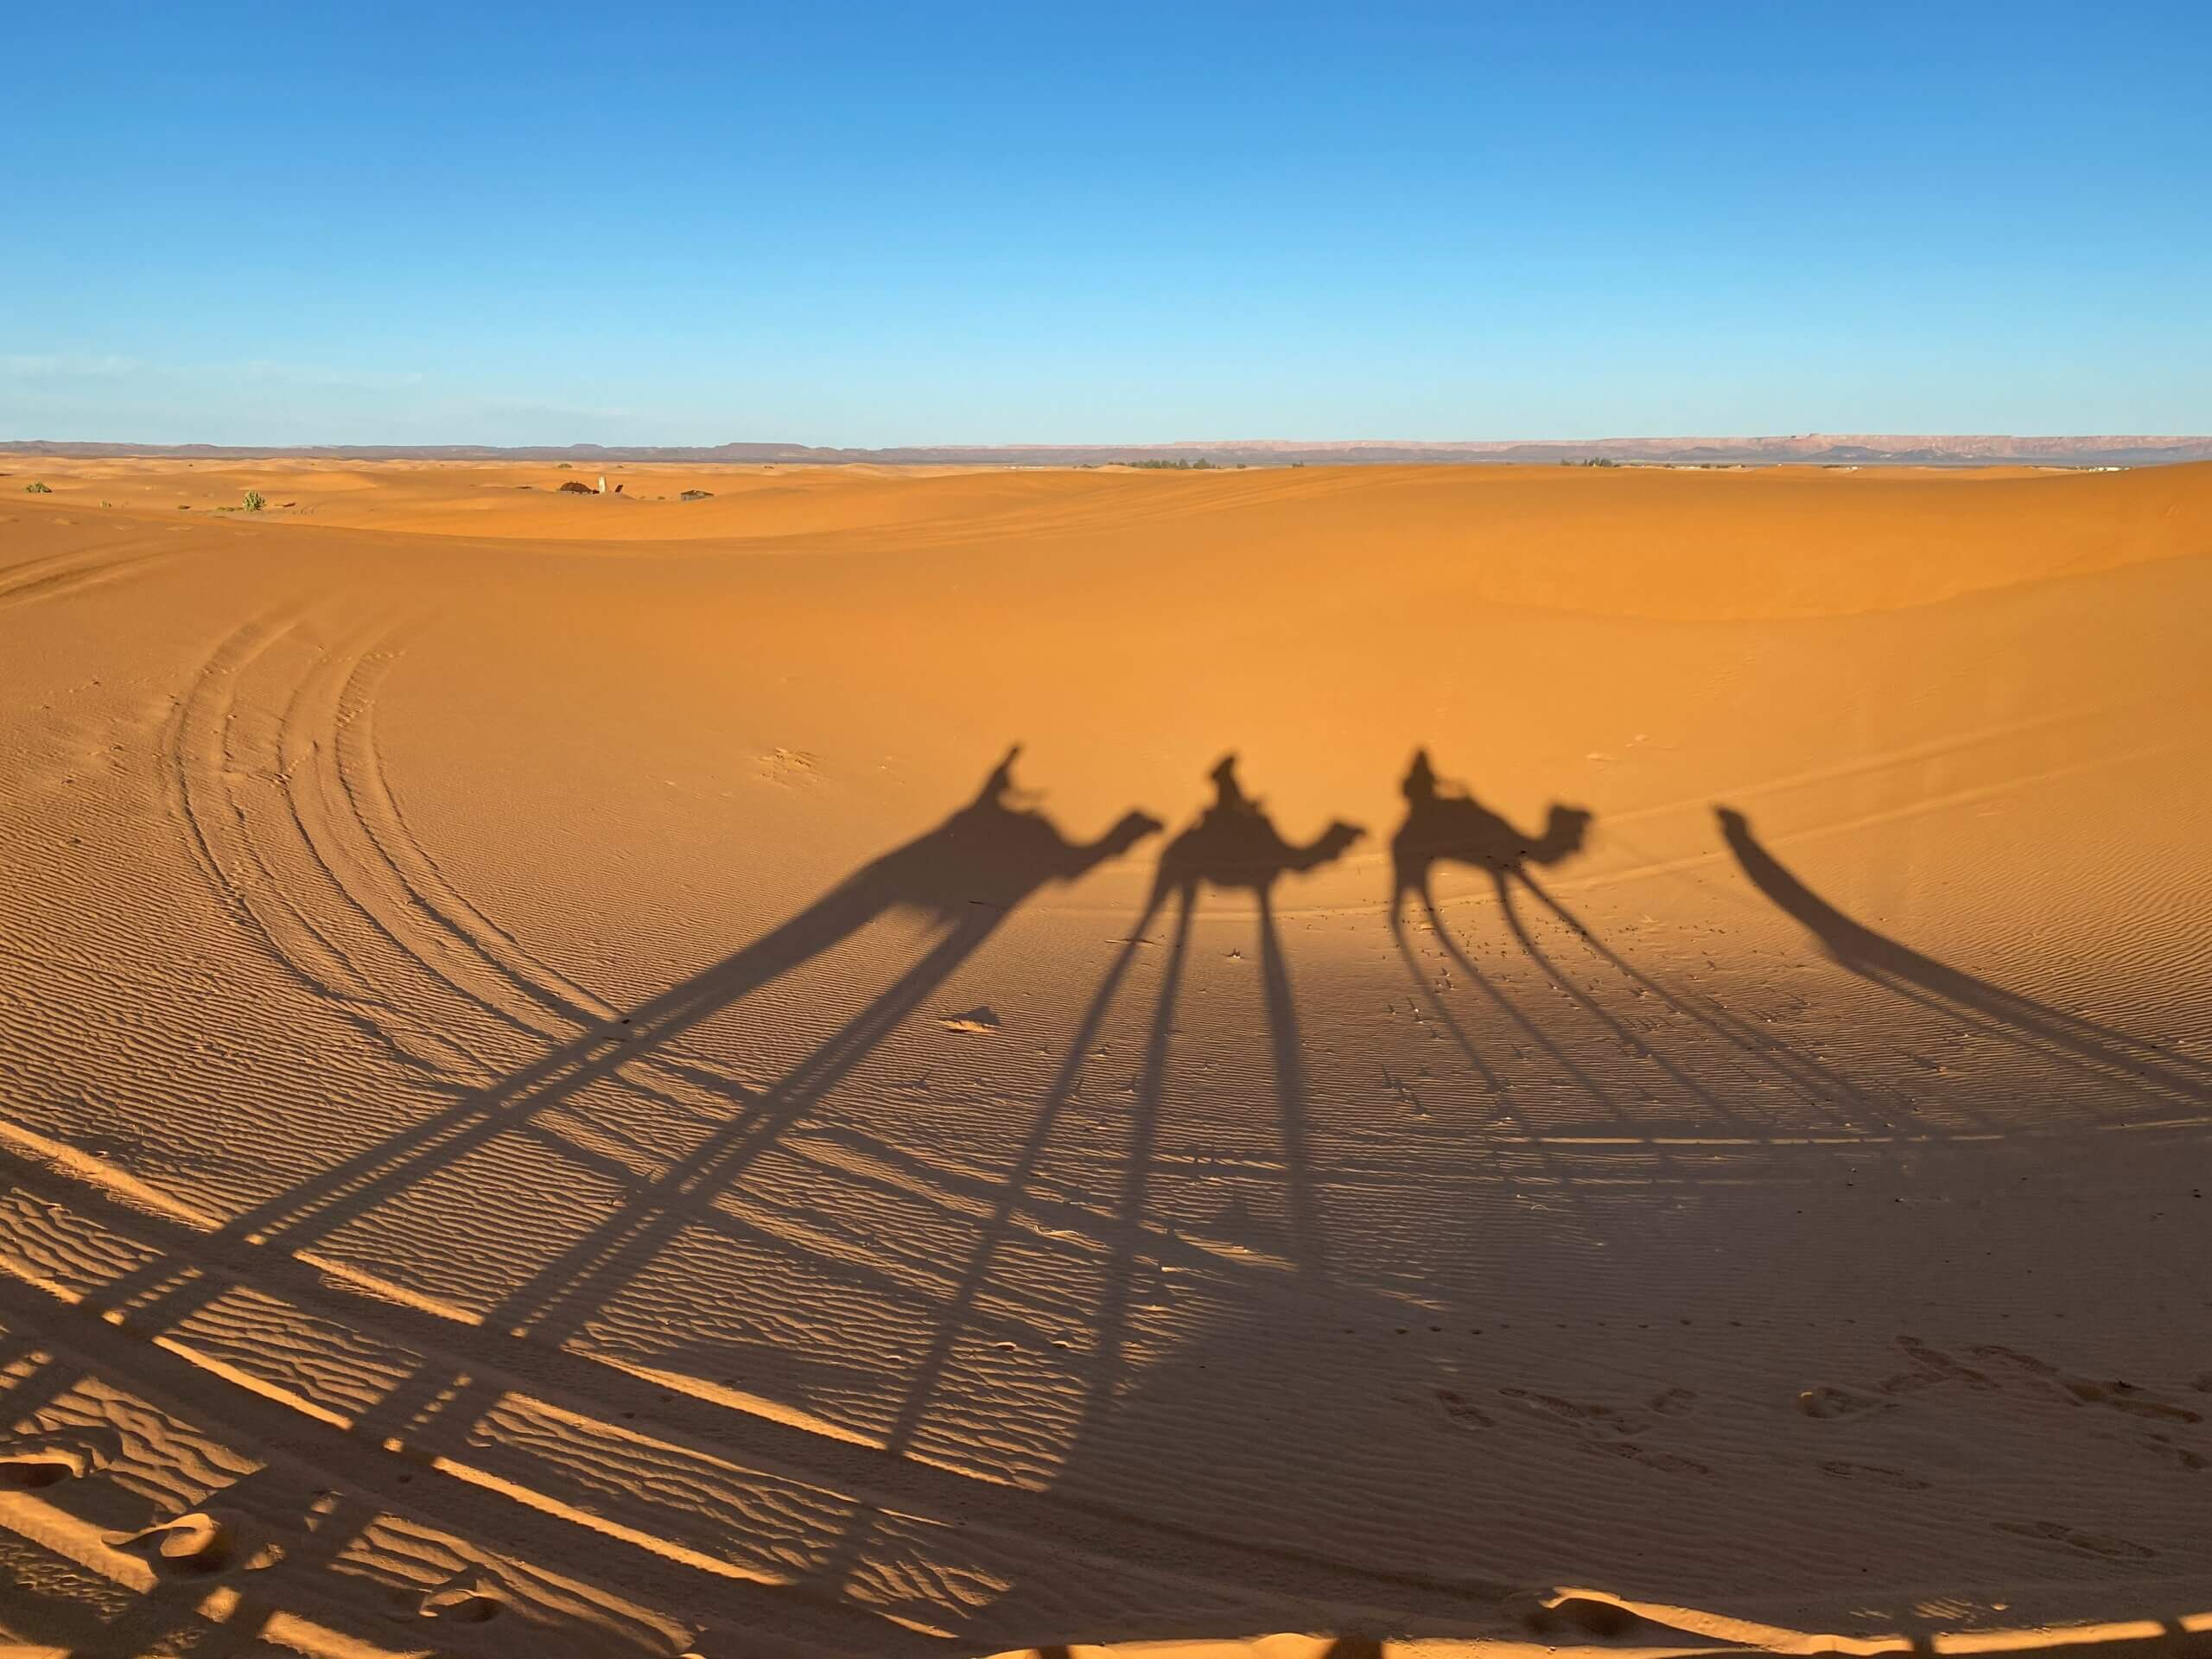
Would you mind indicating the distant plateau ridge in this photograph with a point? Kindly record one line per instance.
(1819, 448)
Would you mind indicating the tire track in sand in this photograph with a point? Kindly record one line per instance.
(294, 820)
(52, 574)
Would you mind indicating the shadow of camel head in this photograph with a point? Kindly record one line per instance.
(1234, 843)
(1129, 829)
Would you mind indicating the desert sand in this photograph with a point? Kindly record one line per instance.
(1324, 1060)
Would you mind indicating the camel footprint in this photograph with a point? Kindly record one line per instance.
(2119, 1396)
(2192, 1461)
(1461, 1412)
(2091, 1543)
(1874, 1471)
(1672, 1463)
(30, 1461)
(1831, 1403)
(1931, 1366)
(1583, 1416)
(1604, 1420)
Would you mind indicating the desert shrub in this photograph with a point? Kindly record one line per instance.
(695, 495)
(36, 489)
(253, 500)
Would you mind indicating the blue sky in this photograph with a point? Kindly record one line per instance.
(876, 224)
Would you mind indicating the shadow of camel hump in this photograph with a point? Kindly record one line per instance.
(2035, 1027)
(1446, 824)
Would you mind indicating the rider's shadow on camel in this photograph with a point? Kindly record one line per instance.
(1234, 843)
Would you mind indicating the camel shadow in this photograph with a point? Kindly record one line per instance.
(1446, 824)
(963, 877)
(2080, 1044)
(1233, 844)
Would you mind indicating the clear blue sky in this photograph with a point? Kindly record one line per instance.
(873, 225)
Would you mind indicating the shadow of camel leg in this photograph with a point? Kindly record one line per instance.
(1558, 1176)
(1514, 1012)
(1817, 1084)
(591, 1272)
(1112, 1337)
(906, 1428)
(1308, 1246)
(1628, 1042)
(1495, 1084)
(995, 1228)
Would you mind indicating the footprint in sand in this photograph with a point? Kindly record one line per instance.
(1670, 1462)
(2091, 1543)
(1603, 1420)
(2192, 1461)
(1459, 1411)
(1874, 1471)
(2125, 1396)
(1569, 1411)
(49, 1457)
(2117, 1395)
(28, 1462)
(197, 1542)
(462, 1604)
(1931, 1366)
(1590, 1615)
(28, 1471)
(1830, 1403)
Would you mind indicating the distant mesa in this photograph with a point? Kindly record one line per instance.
(1804, 448)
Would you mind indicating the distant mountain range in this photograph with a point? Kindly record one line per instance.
(1821, 448)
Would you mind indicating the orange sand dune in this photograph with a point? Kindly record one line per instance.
(740, 1075)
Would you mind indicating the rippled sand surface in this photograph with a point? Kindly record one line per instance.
(1349, 1060)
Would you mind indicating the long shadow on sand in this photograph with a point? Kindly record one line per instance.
(1235, 845)
(963, 877)
(1446, 824)
(2079, 1044)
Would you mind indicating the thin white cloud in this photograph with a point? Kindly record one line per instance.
(56, 365)
(317, 376)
